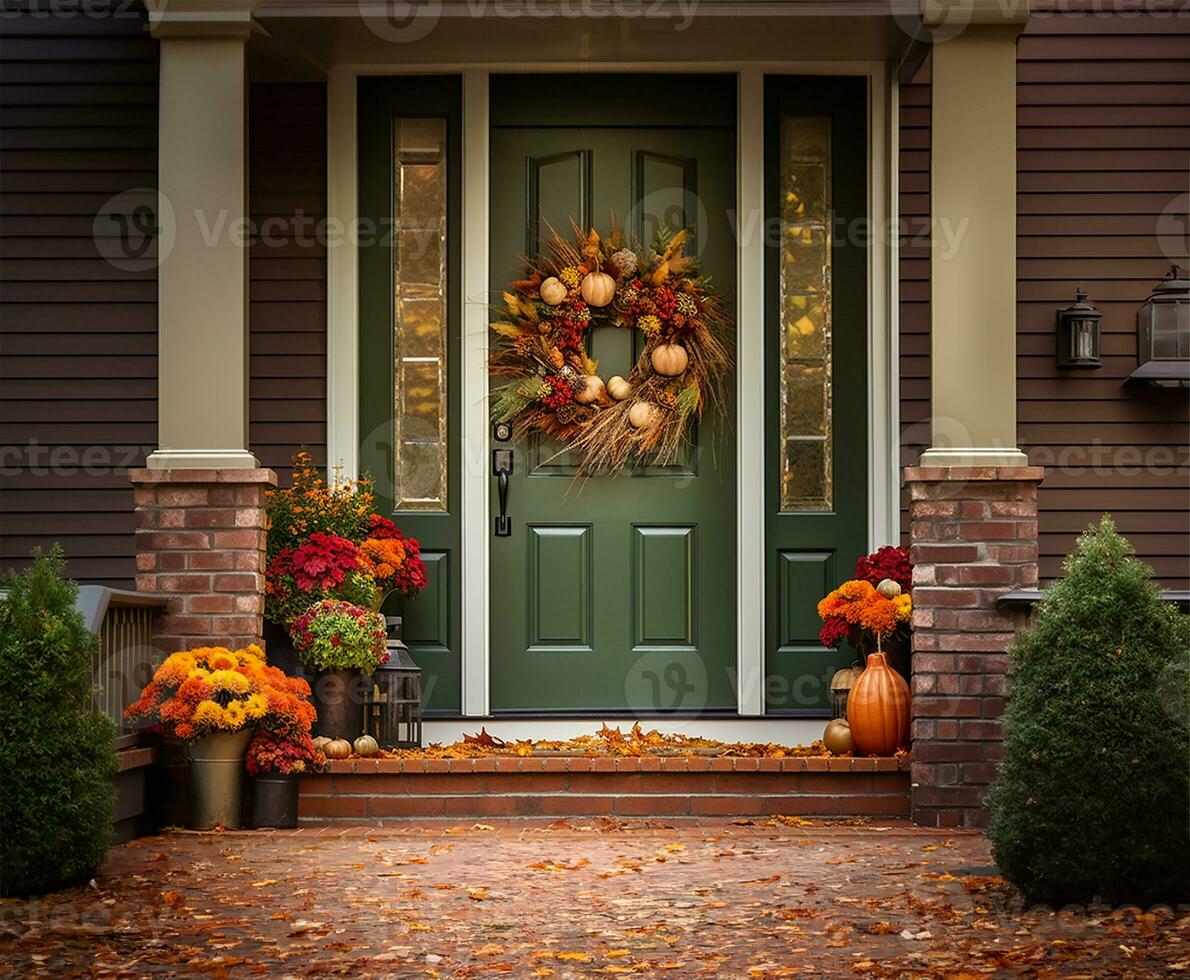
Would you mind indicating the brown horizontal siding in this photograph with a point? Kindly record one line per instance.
(1103, 131)
(78, 371)
(287, 193)
(1096, 171)
(914, 308)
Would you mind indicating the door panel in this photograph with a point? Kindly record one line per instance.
(816, 476)
(665, 581)
(561, 607)
(616, 594)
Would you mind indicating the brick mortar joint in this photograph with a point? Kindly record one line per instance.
(974, 474)
(228, 477)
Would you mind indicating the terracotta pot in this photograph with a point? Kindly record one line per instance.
(878, 709)
(217, 779)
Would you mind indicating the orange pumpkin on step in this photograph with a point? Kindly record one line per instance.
(878, 709)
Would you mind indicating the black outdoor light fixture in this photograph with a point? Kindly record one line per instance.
(1078, 334)
(1163, 334)
(392, 710)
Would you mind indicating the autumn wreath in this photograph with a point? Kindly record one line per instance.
(554, 386)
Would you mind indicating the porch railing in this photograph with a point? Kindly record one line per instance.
(126, 657)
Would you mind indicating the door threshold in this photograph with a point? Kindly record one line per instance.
(723, 728)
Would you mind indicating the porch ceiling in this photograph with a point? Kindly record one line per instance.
(307, 36)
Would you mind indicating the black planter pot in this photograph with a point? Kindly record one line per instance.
(338, 697)
(279, 649)
(274, 801)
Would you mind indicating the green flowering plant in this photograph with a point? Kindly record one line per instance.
(338, 635)
(340, 507)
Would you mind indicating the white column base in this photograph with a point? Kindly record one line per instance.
(973, 456)
(202, 459)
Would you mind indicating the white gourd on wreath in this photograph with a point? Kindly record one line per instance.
(618, 388)
(552, 291)
(669, 360)
(641, 415)
(591, 390)
(598, 288)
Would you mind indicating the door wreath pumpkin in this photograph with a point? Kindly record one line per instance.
(554, 387)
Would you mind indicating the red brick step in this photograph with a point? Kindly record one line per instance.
(387, 790)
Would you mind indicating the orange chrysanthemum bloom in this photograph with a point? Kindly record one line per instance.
(831, 605)
(199, 691)
(855, 589)
(381, 557)
(877, 614)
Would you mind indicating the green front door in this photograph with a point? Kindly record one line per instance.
(615, 595)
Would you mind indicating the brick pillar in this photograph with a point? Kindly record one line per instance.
(973, 537)
(200, 539)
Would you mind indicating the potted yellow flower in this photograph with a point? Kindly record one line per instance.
(212, 699)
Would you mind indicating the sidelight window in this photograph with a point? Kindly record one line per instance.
(419, 314)
(805, 304)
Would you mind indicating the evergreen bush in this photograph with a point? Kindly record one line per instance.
(1092, 800)
(57, 752)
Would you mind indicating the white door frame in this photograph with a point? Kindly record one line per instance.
(472, 441)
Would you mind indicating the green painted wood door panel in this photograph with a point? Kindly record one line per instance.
(809, 552)
(618, 594)
(432, 624)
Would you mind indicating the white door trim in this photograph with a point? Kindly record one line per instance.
(342, 274)
(883, 407)
(750, 508)
(476, 478)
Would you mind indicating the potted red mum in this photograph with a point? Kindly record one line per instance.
(275, 760)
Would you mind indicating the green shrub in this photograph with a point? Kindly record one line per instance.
(57, 753)
(1091, 801)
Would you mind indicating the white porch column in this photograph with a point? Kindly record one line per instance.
(973, 253)
(202, 312)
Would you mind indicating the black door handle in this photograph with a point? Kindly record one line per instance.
(502, 469)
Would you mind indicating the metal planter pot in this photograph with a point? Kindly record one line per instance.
(217, 779)
(274, 801)
(338, 698)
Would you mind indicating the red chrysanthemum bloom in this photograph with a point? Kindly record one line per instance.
(834, 632)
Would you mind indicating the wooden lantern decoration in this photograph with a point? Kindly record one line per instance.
(878, 709)
(392, 711)
(841, 685)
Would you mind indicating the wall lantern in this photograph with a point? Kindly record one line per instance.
(1163, 334)
(1078, 334)
(392, 710)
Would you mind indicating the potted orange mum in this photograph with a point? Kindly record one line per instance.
(213, 699)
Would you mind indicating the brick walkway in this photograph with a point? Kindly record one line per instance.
(701, 898)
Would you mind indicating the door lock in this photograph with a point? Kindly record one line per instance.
(502, 470)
